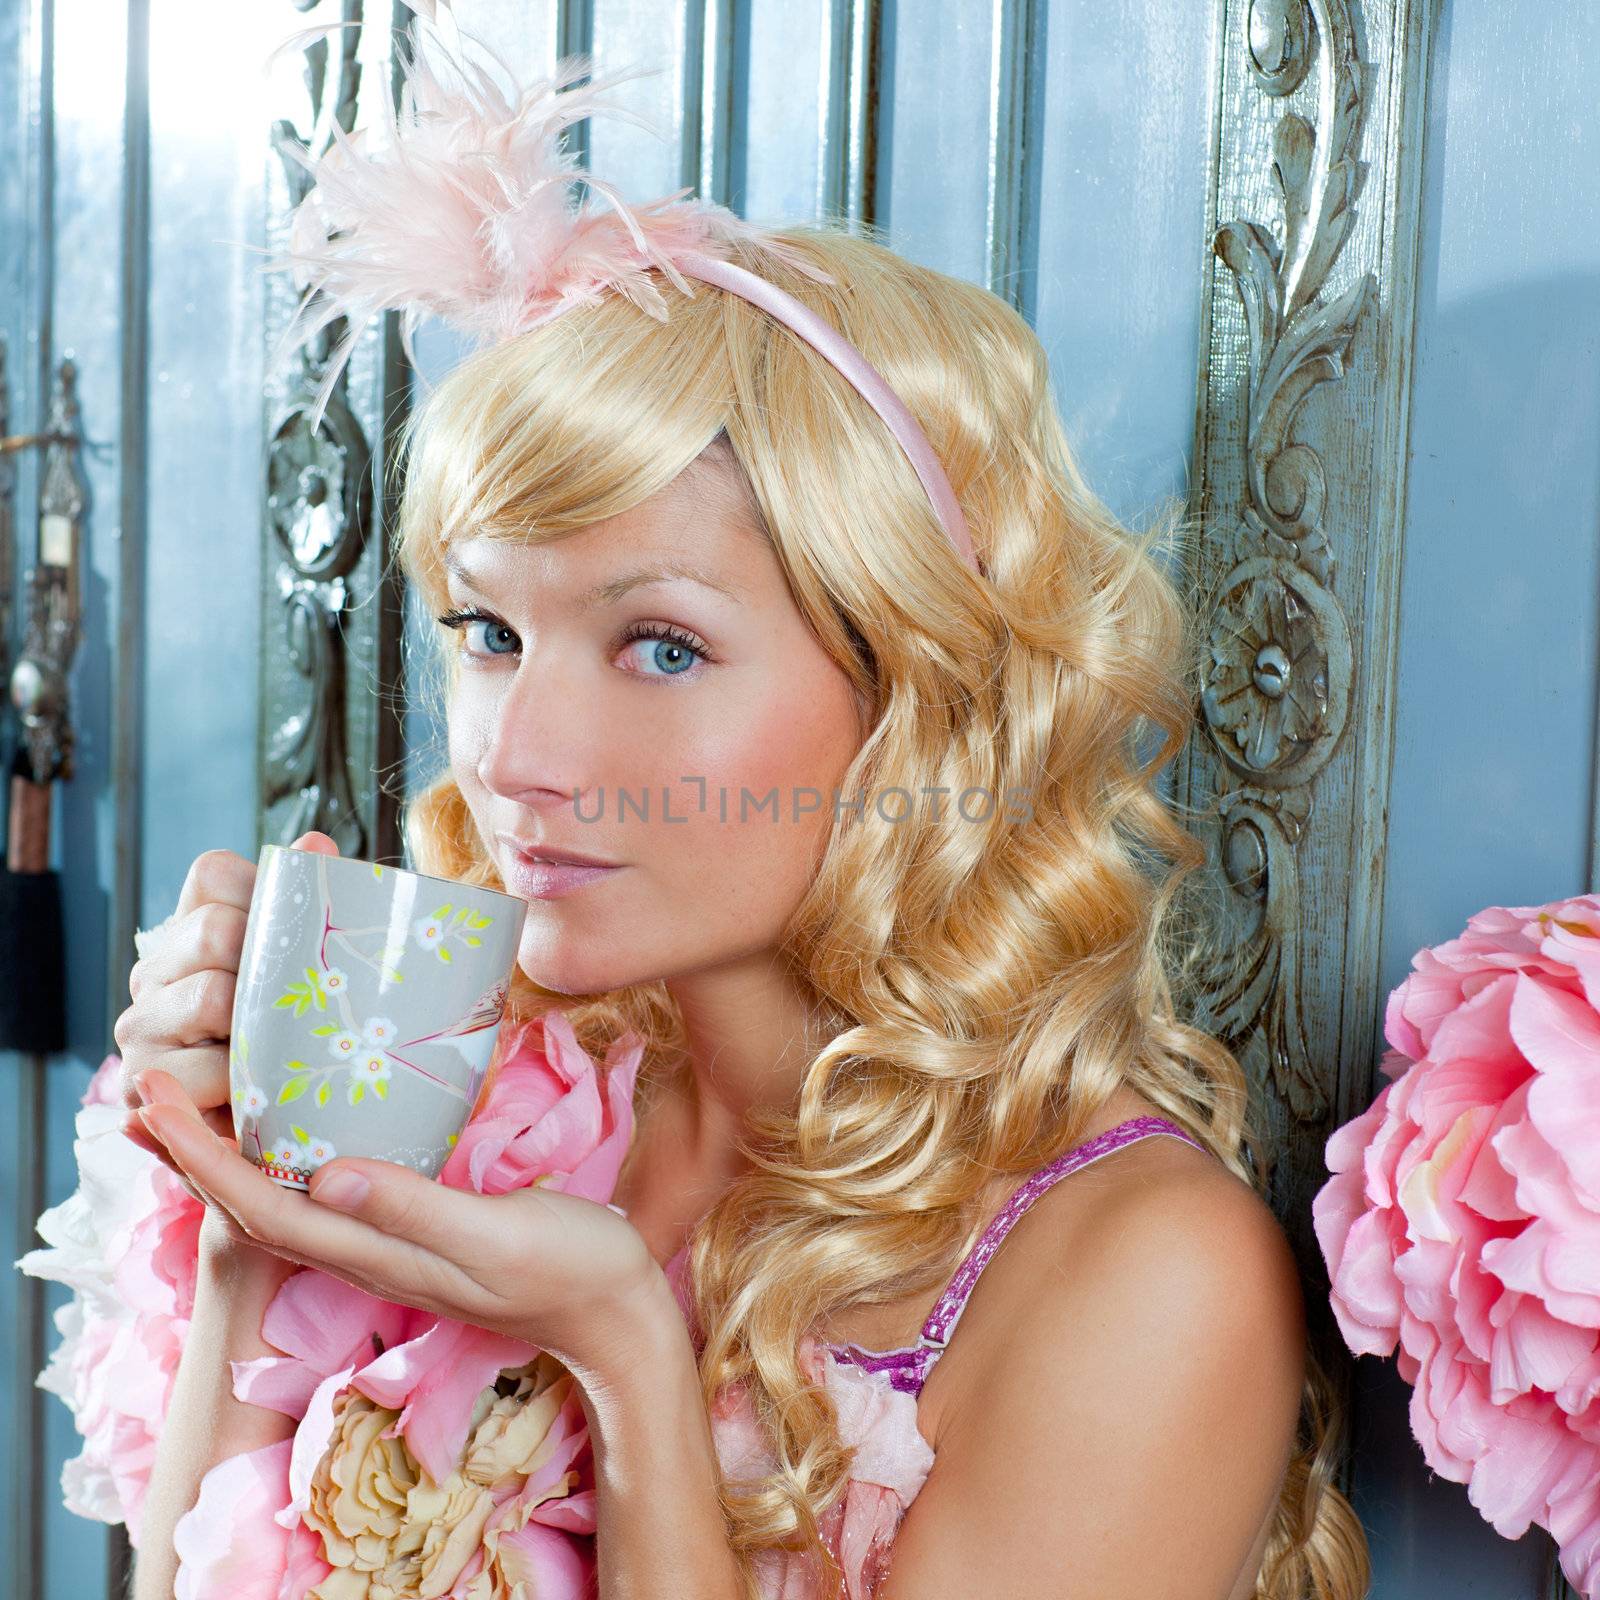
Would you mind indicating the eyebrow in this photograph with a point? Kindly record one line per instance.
(613, 589)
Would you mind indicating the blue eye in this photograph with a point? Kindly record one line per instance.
(672, 648)
(670, 657)
(468, 619)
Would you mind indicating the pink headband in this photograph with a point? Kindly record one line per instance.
(464, 213)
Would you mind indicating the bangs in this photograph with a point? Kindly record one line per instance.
(577, 420)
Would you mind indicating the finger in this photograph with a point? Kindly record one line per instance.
(217, 875)
(387, 1243)
(146, 1136)
(136, 1133)
(318, 842)
(194, 1007)
(212, 935)
(201, 1069)
(168, 1089)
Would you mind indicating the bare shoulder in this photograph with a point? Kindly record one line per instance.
(1133, 1406)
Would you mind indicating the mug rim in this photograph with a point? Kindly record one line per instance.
(426, 877)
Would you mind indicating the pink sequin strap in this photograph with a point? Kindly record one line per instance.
(908, 1368)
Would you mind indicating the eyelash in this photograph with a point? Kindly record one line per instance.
(635, 631)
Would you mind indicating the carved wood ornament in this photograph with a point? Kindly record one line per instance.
(331, 688)
(1299, 495)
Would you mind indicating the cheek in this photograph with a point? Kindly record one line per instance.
(468, 732)
(768, 780)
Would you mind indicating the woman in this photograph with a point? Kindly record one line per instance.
(887, 901)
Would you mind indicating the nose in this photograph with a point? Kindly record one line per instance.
(537, 744)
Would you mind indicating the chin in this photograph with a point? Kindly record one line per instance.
(566, 965)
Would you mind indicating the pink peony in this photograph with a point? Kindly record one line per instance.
(231, 1536)
(125, 1241)
(1462, 1219)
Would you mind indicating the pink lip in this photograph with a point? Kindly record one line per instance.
(546, 880)
(545, 852)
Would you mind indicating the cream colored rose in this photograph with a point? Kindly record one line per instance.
(359, 1489)
(392, 1533)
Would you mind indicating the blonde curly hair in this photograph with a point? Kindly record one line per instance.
(986, 987)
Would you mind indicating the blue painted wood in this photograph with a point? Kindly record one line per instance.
(1494, 720)
(24, 272)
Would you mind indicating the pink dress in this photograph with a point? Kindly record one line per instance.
(875, 1392)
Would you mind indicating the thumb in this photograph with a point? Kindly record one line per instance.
(403, 1203)
(320, 843)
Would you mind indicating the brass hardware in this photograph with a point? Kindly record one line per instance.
(30, 441)
(54, 612)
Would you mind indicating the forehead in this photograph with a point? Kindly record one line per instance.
(701, 528)
(467, 564)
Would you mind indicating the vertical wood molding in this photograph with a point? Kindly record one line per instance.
(1016, 96)
(330, 735)
(709, 96)
(574, 36)
(128, 673)
(1299, 479)
(848, 100)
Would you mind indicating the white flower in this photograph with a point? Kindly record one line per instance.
(251, 1101)
(335, 980)
(344, 1044)
(379, 1030)
(113, 1366)
(318, 1151)
(374, 1065)
(429, 931)
(284, 1153)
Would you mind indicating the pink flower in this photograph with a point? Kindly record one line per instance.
(125, 1241)
(1461, 1223)
(230, 1536)
(544, 1117)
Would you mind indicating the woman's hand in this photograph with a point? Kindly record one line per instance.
(182, 993)
(553, 1270)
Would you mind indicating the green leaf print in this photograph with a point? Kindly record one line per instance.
(299, 1133)
(358, 1092)
(292, 1090)
(444, 955)
(380, 1088)
(322, 1094)
(298, 995)
(318, 993)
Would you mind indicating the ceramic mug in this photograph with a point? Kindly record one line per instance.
(366, 1012)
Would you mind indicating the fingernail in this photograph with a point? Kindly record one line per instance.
(140, 1090)
(148, 1114)
(342, 1188)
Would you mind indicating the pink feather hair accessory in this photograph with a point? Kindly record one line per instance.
(464, 210)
